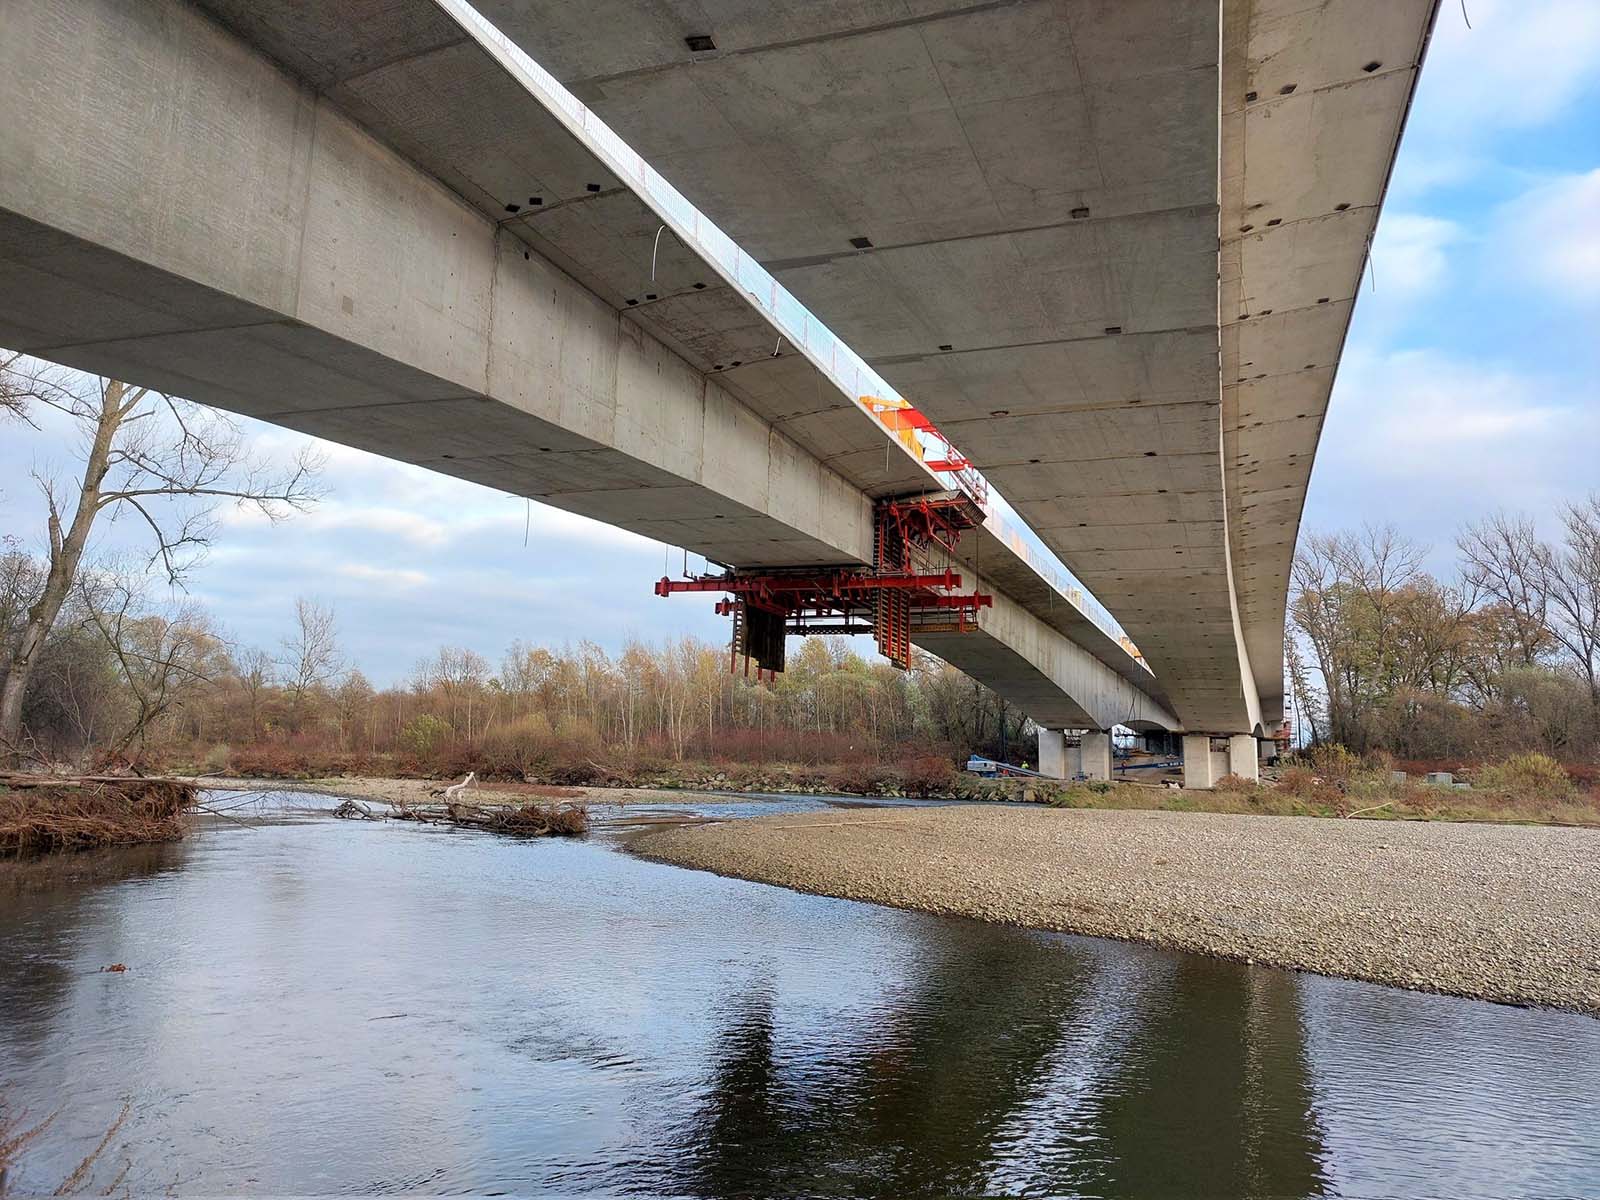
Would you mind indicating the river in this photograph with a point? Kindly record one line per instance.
(313, 1006)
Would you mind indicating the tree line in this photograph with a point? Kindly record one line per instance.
(1505, 657)
(97, 660)
(1379, 653)
(167, 687)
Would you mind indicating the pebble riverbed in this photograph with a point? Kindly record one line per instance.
(1505, 913)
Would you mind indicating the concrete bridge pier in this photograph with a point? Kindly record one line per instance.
(1203, 766)
(1094, 754)
(1091, 757)
(1053, 753)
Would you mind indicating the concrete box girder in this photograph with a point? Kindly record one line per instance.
(336, 318)
(1313, 100)
(1105, 373)
(402, 317)
(1066, 187)
(1050, 98)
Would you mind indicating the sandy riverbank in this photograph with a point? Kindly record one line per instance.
(1509, 913)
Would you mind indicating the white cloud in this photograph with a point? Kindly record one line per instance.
(383, 576)
(1521, 63)
(1429, 441)
(331, 516)
(1554, 233)
(1409, 254)
(1421, 410)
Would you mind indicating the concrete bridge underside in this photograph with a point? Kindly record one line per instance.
(204, 206)
(1110, 246)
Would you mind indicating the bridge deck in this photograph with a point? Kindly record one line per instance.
(265, 249)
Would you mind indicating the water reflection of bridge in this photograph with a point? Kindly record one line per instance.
(566, 1018)
(1010, 1065)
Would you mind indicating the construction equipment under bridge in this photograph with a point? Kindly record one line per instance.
(911, 589)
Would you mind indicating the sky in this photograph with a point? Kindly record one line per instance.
(1468, 383)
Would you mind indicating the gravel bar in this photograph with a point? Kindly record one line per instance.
(1506, 913)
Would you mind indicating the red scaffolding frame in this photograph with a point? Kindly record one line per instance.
(905, 592)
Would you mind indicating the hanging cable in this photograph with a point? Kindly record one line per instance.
(653, 250)
(1464, 16)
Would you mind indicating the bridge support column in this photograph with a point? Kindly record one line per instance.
(1199, 771)
(1203, 766)
(1094, 755)
(1244, 756)
(1053, 753)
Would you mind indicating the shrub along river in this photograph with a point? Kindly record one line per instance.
(316, 1006)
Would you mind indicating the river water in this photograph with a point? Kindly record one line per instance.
(314, 1006)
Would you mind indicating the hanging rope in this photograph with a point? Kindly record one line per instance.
(653, 251)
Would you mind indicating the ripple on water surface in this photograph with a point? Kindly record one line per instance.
(347, 1007)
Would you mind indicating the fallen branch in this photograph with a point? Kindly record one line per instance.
(1358, 812)
(354, 810)
(521, 820)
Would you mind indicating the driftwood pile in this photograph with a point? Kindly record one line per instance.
(41, 814)
(518, 820)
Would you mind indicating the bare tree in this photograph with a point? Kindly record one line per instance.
(1378, 626)
(1552, 591)
(162, 660)
(20, 580)
(13, 393)
(460, 676)
(161, 461)
(1502, 558)
(1301, 696)
(1571, 579)
(311, 658)
(354, 702)
(256, 675)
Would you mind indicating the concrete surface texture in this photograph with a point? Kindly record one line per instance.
(267, 247)
(1041, 187)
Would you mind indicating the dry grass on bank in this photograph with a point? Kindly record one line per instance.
(41, 815)
(499, 760)
(1524, 789)
(1329, 782)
